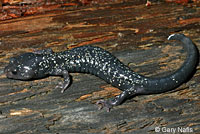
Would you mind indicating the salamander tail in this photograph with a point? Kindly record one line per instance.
(167, 83)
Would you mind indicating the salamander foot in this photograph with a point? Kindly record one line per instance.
(108, 104)
(66, 82)
(104, 103)
(62, 86)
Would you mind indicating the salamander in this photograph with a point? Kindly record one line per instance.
(101, 63)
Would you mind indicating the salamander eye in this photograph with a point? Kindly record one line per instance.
(14, 71)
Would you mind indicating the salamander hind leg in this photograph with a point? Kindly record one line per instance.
(108, 104)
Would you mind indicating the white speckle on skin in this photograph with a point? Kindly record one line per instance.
(27, 67)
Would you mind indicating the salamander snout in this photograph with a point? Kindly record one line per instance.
(9, 72)
(14, 73)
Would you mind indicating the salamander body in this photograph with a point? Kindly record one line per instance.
(99, 62)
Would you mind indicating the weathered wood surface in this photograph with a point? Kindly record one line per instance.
(134, 33)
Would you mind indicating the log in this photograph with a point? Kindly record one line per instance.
(135, 34)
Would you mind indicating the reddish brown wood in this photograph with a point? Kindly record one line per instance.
(134, 33)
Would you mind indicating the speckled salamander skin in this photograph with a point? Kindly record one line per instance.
(99, 62)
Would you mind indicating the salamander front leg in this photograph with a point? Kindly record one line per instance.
(66, 82)
(115, 101)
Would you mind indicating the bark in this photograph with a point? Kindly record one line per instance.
(134, 33)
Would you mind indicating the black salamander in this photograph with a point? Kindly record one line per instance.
(99, 62)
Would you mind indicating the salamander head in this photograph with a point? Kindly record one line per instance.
(23, 67)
